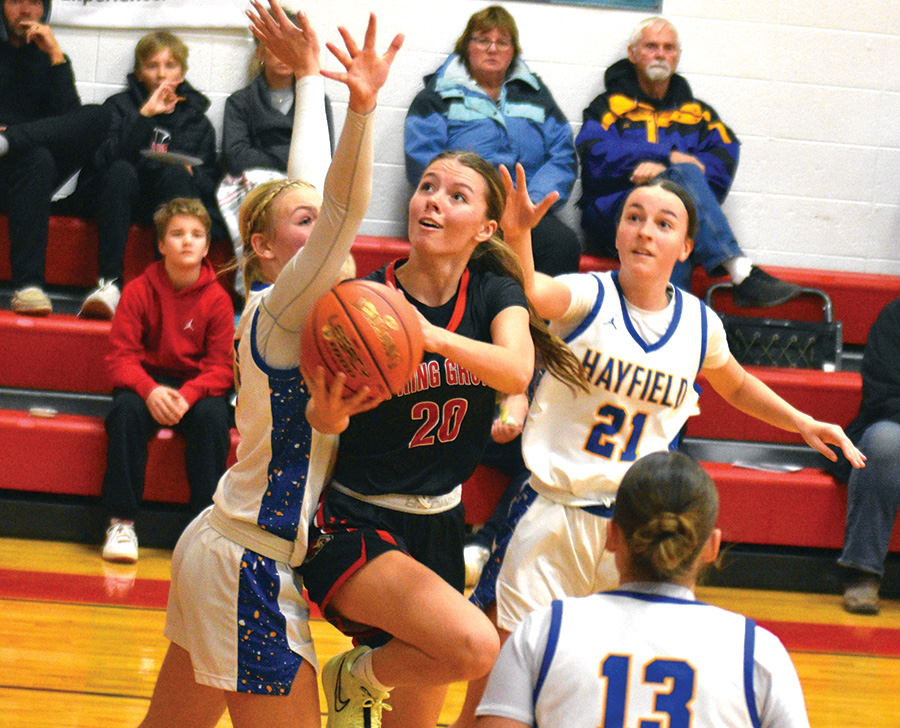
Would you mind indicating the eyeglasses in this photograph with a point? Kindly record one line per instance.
(485, 43)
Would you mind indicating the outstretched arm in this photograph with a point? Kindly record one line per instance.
(748, 394)
(550, 298)
(315, 268)
(297, 46)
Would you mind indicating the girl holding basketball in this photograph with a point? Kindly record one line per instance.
(642, 343)
(236, 619)
(385, 561)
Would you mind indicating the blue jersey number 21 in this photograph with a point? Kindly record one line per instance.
(676, 678)
(612, 425)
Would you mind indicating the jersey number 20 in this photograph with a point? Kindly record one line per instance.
(444, 423)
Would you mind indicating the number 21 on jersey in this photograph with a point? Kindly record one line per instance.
(670, 681)
(614, 427)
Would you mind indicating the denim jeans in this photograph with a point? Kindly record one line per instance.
(714, 242)
(873, 499)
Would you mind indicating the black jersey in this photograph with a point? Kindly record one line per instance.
(428, 439)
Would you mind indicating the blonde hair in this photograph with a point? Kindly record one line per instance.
(158, 40)
(666, 508)
(181, 206)
(257, 215)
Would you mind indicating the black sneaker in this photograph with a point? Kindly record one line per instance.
(761, 290)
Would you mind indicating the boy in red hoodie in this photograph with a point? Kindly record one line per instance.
(170, 362)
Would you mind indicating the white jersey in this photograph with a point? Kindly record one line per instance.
(647, 654)
(235, 603)
(282, 464)
(642, 368)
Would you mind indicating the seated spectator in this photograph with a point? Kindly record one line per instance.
(156, 122)
(873, 493)
(648, 124)
(256, 138)
(170, 362)
(649, 647)
(46, 137)
(484, 99)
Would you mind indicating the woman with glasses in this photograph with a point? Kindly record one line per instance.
(484, 99)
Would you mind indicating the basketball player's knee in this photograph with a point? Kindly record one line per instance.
(475, 651)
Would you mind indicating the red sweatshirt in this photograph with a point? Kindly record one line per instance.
(160, 332)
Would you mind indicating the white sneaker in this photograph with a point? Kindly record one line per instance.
(102, 301)
(121, 542)
(351, 701)
(31, 301)
(475, 557)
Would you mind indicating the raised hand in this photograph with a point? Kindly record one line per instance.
(520, 214)
(162, 100)
(42, 36)
(293, 44)
(366, 71)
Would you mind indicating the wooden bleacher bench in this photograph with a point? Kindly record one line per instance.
(65, 455)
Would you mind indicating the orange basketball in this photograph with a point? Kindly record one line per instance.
(366, 330)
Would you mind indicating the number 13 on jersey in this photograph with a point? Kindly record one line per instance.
(669, 684)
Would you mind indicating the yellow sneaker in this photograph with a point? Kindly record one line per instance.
(352, 702)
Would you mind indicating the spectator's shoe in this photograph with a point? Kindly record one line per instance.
(31, 301)
(352, 702)
(101, 302)
(475, 556)
(861, 596)
(759, 289)
(121, 542)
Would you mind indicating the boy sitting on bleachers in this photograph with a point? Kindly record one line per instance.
(170, 363)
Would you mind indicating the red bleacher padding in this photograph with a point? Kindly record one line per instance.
(66, 455)
(72, 252)
(59, 353)
(805, 508)
(857, 297)
(481, 493)
(829, 396)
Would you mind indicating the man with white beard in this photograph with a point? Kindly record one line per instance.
(648, 124)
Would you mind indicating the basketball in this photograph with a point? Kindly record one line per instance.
(366, 330)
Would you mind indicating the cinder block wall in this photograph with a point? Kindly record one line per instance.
(810, 87)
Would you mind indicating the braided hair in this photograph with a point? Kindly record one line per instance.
(258, 216)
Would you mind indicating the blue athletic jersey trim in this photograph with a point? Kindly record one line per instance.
(599, 510)
(595, 309)
(749, 691)
(556, 610)
(645, 597)
(266, 663)
(704, 336)
(673, 324)
(271, 371)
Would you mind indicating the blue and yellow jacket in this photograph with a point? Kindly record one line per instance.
(624, 127)
(524, 125)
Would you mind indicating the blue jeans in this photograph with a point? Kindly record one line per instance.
(873, 499)
(714, 242)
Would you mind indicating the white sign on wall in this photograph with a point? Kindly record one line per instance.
(150, 13)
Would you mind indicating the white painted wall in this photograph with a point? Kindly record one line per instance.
(811, 87)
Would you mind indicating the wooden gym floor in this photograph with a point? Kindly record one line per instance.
(81, 642)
